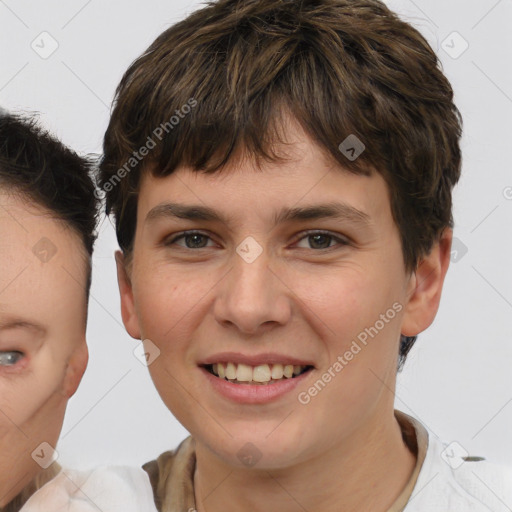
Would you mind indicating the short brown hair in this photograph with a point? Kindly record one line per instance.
(340, 67)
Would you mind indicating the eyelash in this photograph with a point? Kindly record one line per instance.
(341, 241)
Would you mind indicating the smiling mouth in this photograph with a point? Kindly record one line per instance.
(256, 375)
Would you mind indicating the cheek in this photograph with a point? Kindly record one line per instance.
(170, 306)
(341, 303)
(356, 315)
(22, 395)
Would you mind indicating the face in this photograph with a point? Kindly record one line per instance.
(303, 274)
(42, 329)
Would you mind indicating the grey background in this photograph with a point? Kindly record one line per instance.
(457, 380)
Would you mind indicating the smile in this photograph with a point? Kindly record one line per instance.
(263, 374)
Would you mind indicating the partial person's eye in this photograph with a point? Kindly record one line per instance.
(322, 240)
(10, 358)
(192, 239)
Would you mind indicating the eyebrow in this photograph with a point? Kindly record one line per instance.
(340, 211)
(21, 324)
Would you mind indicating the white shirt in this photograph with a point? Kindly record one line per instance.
(448, 483)
(103, 489)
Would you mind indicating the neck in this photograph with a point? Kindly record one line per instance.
(367, 471)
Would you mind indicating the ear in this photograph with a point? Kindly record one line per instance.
(75, 370)
(128, 313)
(425, 286)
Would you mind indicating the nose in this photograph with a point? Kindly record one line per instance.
(252, 297)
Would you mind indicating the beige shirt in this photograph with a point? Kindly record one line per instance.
(172, 473)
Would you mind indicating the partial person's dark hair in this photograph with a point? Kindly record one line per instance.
(38, 166)
(338, 67)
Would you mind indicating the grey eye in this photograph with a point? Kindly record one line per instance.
(10, 358)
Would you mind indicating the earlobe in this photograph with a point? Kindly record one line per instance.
(128, 313)
(426, 286)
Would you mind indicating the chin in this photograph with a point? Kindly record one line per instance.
(256, 449)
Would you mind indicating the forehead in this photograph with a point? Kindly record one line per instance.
(44, 266)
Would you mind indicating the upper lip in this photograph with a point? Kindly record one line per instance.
(254, 360)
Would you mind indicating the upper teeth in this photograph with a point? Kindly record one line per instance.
(260, 373)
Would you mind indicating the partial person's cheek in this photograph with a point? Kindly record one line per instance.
(23, 395)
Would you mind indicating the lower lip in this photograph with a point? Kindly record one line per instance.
(255, 393)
